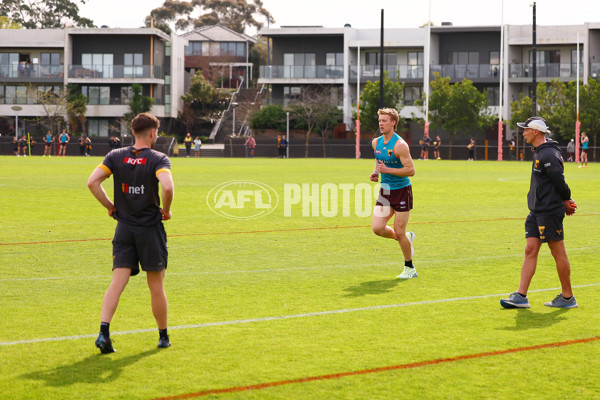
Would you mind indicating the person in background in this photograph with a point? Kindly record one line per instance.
(48, 140)
(571, 150)
(436, 149)
(471, 150)
(250, 146)
(63, 139)
(187, 141)
(197, 146)
(585, 142)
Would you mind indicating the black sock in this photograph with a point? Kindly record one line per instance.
(104, 328)
(408, 264)
(567, 298)
(163, 333)
(522, 295)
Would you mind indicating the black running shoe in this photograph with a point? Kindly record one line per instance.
(104, 344)
(164, 342)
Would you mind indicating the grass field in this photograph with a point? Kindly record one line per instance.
(297, 307)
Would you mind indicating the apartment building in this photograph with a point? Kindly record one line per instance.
(104, 62)
(344, 59)
(221, 54)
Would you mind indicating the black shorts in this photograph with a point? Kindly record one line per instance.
(135, 246)
(545, 227)
(399, 199)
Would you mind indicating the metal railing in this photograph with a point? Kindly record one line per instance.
(116, 71)
(217, 126)
(552, 70)
(31, 71)
(302, 72)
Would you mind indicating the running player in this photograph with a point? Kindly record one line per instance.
(140, 238)
(395, 165)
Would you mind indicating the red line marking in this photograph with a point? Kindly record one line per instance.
(276, 230)
(377, 370)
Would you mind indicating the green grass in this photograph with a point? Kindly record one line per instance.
(468, 217)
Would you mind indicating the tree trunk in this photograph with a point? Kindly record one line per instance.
(450, 140)
(595, 142)
(307, 143)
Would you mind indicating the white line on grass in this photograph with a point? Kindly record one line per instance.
(282, 317)
(253, 271)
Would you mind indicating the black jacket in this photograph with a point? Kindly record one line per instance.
(548, 188)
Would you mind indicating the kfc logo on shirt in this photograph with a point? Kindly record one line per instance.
(135, 161)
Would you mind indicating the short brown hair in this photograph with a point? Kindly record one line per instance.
(391, 112)
(143, 122)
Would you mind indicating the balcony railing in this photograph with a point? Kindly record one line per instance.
(370, 72)
(302, 72)
(115, 71)
(113, 101)
(20, 72)
(553, 70)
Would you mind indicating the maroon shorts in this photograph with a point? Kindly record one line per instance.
(399, 199)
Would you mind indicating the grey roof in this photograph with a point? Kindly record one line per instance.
(217, 33)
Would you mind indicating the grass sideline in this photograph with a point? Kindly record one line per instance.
(280, 299)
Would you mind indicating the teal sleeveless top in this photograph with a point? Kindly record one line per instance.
(385, 152)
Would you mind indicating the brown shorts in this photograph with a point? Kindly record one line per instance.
(399, 199)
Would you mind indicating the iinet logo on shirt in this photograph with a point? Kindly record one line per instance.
(132, 189)
(135, 161)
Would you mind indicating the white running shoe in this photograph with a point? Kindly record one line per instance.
(408, 273)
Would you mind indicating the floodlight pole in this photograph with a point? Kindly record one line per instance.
(534, 68)
(500, 94)
(381, 64)
(287, 134)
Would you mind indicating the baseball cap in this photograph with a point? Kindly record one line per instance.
(538, 123)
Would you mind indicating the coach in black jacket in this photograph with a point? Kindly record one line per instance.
(549, 199)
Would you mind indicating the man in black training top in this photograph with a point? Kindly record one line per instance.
(548, 200)
(140, 238)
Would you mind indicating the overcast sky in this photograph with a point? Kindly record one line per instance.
(367, 14)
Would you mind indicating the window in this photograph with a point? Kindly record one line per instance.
(100, 64)
(493, 95)
(372, 58)
(13, 95)
(463, 58)
(97, 127)
(9, 65)
(193, 49)
(411, 93)
(235, 49)
(299, 65)
(415, 64)
(168, 49)
(133, 65)
(126, 94)
(334, 65)
(97, 95)
(46, 90)
(291, 94)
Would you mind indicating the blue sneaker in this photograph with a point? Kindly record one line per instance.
(104, 344)
(560, 301)
(515, 300)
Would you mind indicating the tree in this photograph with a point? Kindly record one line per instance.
(76, 107)
(457, 107)
(37, 14)
(327, 116)
(54, 105)
(237, 15)
(139, 104)
(6, 23)
(369, 101)
(203, 102)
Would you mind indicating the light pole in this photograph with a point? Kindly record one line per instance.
(287, 134)
(233, 105)
(16, 109)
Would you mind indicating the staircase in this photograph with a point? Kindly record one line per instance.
(248, 101)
